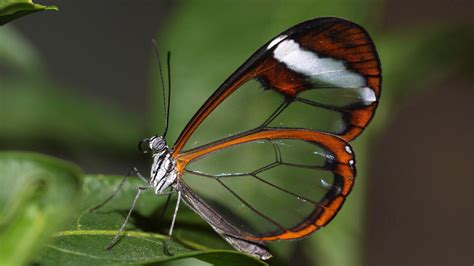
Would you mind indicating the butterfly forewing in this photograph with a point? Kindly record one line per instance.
(327, 66)
(245, 109)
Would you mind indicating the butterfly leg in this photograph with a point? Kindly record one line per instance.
(119, 233)
(133, 171)
(170, 232)
(122, 227)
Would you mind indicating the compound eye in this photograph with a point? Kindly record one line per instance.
(144, 145)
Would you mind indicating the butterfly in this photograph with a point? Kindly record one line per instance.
(283, 176)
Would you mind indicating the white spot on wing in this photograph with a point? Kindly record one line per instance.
(324, 183)
(368, 95)
(275, 41)
(348, 149)
(327, 70)
(327, 156)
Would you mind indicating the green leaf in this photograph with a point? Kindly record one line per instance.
(85, 240)
(37, 195)
(13, 9)
(88, 247)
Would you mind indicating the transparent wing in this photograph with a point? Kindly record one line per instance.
(323, 74)
(271, 184)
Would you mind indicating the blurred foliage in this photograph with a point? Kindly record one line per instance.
(13, 9)
(209, 39)
(40, 111)
(37, 194)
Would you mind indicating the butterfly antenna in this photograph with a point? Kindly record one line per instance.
(165, 105)
(168, 66)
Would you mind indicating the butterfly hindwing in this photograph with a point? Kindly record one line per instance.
(294, 190)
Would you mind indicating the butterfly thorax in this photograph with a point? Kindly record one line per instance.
(163, 170)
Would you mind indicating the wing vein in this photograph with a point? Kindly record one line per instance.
(251, 207)
(299, 197)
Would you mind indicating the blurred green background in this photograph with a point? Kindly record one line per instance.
(81, 84)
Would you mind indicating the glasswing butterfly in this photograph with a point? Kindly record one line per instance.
(309, 91)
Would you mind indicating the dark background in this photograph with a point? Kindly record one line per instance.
(419, 203)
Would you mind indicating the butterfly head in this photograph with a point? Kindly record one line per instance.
(155, 144)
